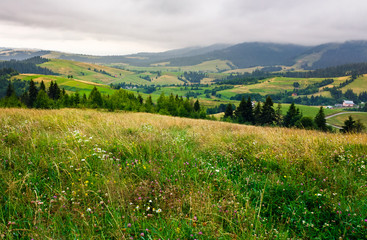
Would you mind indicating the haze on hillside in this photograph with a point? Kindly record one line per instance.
(113, 27)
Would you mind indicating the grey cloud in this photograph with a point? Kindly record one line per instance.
(168, 24)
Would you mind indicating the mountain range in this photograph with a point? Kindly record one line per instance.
(239, 56)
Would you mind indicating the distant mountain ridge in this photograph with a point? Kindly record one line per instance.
(243, 55)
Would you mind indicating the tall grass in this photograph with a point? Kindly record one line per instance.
(84, 174)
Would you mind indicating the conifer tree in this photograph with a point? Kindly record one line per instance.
(349, 125)
(293, 115)
(267, 112)
(257, 114)
(32, 93)
(320, 120)
(149, 106)
(278, 115)
(95, 98)
(42, 86)
(197, 106)
(10, 90)
(240, 111)
(248, 111)
(229, 111)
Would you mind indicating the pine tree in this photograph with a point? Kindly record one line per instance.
(149, 106)
(197, 106)
(51, 90)
(42, 86)
(10, 90)
(349, 125)
(278, 115)
(248, 111)
(267, 112)
(257, 114)
(240, 111)
(320, 120)
(293, 115)
(43, 101)
(32, 93)
(229, 111)
(95, 98)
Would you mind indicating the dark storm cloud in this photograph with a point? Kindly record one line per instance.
(133, 25)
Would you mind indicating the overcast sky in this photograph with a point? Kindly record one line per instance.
(114, 27)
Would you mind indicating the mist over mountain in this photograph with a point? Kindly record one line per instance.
(243, 55)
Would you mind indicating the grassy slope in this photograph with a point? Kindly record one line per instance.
(70, 85)
(81, 71)
(359, 85)
(208, 66)
(87, 174)
(276, 85)
(339, 120)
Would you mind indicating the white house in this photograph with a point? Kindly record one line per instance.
(347, 103)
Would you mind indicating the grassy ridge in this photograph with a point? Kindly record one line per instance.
(87, 174)
(339, 119)
(85, 72)
(70, 85)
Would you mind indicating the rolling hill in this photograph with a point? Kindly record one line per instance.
(243, 55)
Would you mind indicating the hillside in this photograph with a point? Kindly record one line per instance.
(239, 56)
(92, 73)
(89, 174)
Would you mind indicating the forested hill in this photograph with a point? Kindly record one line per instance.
(243, 55)
(28, 66)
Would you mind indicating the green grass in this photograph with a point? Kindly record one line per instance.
(84, 174)
(339, 120)
(308, 111)
(359, 85)
(85, 72)
(209, 66)
(70, 85)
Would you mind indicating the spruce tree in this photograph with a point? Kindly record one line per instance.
(229, 111)
(320, 120)
(95, 98)
(248, 111)
(10, 90)
(240, 111)
(197, 106)
(278, 115)
(257, 114)
(51, 90)
(267, 112)
(42, 86)
(293, 115)
(349, 125)
(32, 93)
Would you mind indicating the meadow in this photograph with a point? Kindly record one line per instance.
(87, 174)
(339, 119)
(70, 85)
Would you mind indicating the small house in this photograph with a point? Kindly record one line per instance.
(347, 103)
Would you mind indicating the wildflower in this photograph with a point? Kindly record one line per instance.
(159, 210)
(89, 210)
(129, 225)
(142, 234)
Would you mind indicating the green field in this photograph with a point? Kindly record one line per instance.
(359, 85)
(86, 174)
(70, 85)
(339, 119)
(213, 66)
(86, 72)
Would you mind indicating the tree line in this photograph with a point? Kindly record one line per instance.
(265, 115)
(28, 66)
(54, 97)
